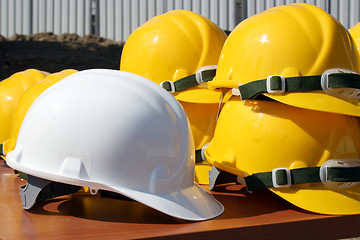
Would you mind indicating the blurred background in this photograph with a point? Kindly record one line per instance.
(116, 19)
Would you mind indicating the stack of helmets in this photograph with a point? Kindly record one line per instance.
(25, 100)
(291, 123)
(180, 50)
(11, 89)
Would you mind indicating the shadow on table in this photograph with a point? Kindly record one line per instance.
(237, 201)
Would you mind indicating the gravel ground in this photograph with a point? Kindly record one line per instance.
(53, 53)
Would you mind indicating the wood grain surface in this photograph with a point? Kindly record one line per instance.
(260, 215)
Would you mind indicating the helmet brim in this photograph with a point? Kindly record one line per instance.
(198, 94)
(323, 200)
(192, 203)
(318, 101)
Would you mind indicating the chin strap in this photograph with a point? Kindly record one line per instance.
(335, 82)
(38, 189)
(2, 149)
(284, 177)
(198, 156)
(329, 174)
(204, 74)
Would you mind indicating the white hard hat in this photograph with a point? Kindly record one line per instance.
(114, 131)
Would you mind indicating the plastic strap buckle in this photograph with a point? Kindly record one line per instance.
(198, 74)
(237, 92)
(353, 93)
(203, 152)
(271, 78)
(339, 163)
(172, 86)
(288, 178)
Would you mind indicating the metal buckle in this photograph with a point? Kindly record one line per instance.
(288, 175)
(198, 75)
(172, 86)
(339, 163)
(353, 93)
(268, 84)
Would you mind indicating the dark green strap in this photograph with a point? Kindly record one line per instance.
(299, 84)
(1, 149)
(198, 157)
(301, 175)
(23, 175)
(189, 81)
(338, 174)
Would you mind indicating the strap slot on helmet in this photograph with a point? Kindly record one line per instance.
(208, 72)
(169, 86)
(340, 173)
(346, 92)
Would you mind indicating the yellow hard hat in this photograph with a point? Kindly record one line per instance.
(26, 100)
(174, 49)
(11, 90)
(172, 46)
(296, 54)
(355, 34)
(309, 158)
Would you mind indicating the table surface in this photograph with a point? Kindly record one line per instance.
(260, 215)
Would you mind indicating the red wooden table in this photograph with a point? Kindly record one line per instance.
(260, 215)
